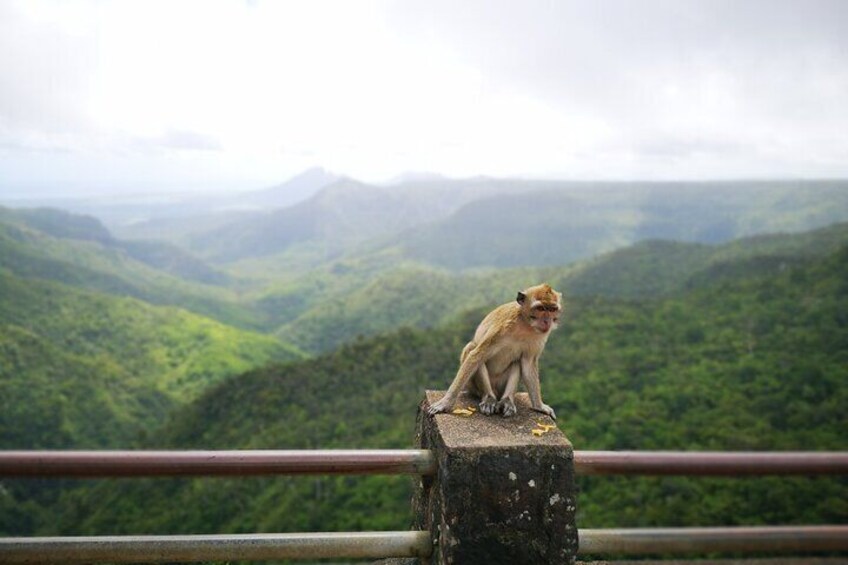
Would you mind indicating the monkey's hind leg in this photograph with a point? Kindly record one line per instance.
(506, 405)
(481, 383)
(483, 387)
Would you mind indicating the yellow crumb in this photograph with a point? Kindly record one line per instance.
(462, 412)
(542, 429)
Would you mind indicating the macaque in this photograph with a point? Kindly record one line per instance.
(506, 347)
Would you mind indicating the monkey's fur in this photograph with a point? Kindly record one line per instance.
(506, 346)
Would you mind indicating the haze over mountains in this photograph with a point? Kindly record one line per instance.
(665, 345)
(317, 324)
(452, 223)
(352, 242)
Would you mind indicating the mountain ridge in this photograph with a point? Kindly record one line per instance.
(482, 223)
(165, 354)
(424, 297)
(751, 363)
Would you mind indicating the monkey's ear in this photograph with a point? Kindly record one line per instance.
(521, 297)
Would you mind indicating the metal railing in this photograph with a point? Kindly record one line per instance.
(777, 539)
(91, 464)
(252, 547)
(365, 545)
(195, 548)
(710, 463)
(773, 539)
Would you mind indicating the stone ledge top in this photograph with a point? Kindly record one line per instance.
(478, 430)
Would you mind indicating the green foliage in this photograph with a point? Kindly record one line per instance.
(360, 396)
(364, 303)
(154, 272)
(664, 346)
(82, 368)
(513, 223)
(58, 223)
(173, 260)
(751, 363)
(376, 293)
(341, 215)
(53, 399)
(509, 230)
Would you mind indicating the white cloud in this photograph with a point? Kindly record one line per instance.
(606, 89)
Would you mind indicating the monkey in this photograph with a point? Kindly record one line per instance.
(505, 348)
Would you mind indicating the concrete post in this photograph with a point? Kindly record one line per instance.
(502, 494)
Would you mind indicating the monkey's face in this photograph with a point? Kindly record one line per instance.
(541, 306)
(544, 316)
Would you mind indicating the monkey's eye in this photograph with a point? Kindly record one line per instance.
(532, 317)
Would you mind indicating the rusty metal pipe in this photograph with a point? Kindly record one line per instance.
(778, 539)
(700, 463)
(252, 547)
(409, 461)
(224, 463)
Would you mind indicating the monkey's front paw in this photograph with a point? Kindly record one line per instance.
(488, 405)
(507, 407)
(547, 410)
(442, 405)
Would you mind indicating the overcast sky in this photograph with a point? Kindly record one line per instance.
(152, 96)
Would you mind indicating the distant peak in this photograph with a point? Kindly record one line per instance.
(298, 188)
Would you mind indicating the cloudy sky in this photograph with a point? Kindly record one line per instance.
(149, 96)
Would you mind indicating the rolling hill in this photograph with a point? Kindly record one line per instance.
(369, 296)
(336, 219)
(170, 216)
(702, 342)
(97, 338)
(85, 369)
(747, 361)
(78, 251)
(479, 223)
(574, 221)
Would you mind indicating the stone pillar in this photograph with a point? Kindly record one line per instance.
(502, 494)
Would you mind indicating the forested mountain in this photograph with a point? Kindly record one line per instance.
(74, 227)
(87, 358)
(85, 369)
(748, 358)
(657, 267)
(465, 224)
(364, 298)
(666, 345)
(575, 221)
(340, 216)
(352, 245)
(78, 251)
(159, 216)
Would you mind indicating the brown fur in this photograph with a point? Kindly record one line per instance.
(507, 344)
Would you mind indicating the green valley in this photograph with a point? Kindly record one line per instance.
(701, 342)
(752, 360)
(78, 251)
(95, 370)
(372, 295)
